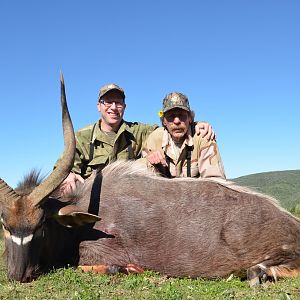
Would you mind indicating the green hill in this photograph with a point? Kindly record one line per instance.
(283, 185)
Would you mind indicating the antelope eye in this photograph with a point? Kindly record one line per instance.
(4, 226)
(2, 222)
(39, 229)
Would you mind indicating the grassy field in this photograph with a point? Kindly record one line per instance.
(73, 284)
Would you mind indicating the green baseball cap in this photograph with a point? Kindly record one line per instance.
(176, 100)
(109, 87)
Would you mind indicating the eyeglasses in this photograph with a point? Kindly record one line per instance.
(181, 115)
(118, 104)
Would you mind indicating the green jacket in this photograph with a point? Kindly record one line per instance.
(127, 144)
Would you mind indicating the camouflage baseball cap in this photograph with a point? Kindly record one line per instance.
(109, 87)
(174, 100)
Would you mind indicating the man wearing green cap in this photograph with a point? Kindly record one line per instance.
(111, 138)
(175, 150)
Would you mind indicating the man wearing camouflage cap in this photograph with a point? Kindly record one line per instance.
(175, 150)
(111, 138)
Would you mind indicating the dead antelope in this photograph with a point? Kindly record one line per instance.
(178, 227)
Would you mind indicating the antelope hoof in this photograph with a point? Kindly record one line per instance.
(132, 268)
(256, 276)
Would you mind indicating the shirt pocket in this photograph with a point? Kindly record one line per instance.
(99, 160)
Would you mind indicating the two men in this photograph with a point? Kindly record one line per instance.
(111, 138)
(175, 150)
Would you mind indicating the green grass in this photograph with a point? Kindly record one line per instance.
(74, 284)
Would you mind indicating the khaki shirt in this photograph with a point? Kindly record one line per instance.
(205, 157)
(107, 149)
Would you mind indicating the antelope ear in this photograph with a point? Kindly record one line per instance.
(70, 216)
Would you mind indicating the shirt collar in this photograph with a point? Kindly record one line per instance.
(99, 135)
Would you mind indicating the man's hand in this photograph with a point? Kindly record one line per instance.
(205, 130)
(155, 157)
(69, 184)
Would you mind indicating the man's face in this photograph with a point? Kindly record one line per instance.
(112, 107)
(177, 122)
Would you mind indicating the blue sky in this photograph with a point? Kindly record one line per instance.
(237, 61)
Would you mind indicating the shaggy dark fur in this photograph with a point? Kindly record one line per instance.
(29, 182)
